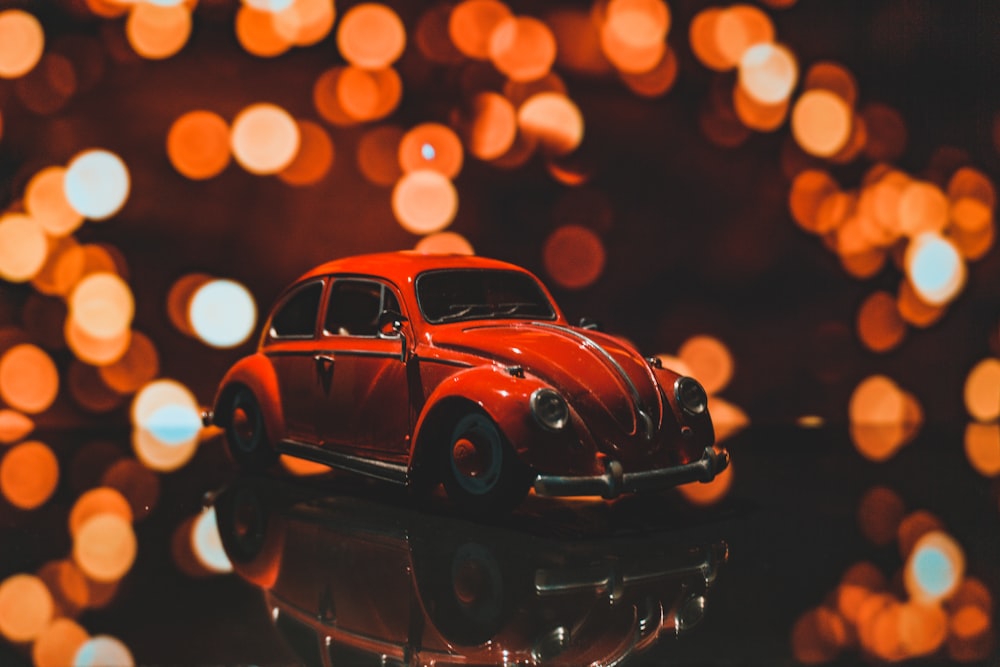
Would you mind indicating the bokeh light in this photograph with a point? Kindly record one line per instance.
(424, 201)
(102, 305)
(821, 123)
(935, 567)
(640, 23)
(982, 390)
(45, 201)
(923, 207)
(259, 32)
(371, 35)
(88, 389)
(138, 484)
(166, 419)
(431, 146)
(553, 120)
(97, 184)
(982, 448)
(23, 248)
(25, 607)
(207, 544)
(880, 326)
(14, 426)
(264, 138)
(708, 360)
(105, 547)
(471, 24)
(444, 243)
(738, 28)
(378, 155)
(139, 364)
(366, 95)
(574, 256)
(158, 31)
(935, 268)
(94, 350)
(768, 73)
(492, 126)
(198, 144)
(879, 514)
(314, 159)
(22, 42)
(57, 645)
(523, 48)
(305, 22)
(95, 502)
(179, 300)
(223, 313)
(29, 381)
(103, 651)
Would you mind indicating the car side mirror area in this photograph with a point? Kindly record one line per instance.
(390, 325)
(589, 324)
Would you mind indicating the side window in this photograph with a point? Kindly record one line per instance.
(355, 306)
(297, 316)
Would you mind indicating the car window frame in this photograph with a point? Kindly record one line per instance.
(271, 337)
(553, 308)
(333, 279)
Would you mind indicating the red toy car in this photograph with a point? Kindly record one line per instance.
(423, 369)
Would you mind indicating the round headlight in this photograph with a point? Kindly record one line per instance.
(690, 395)
(549, 409)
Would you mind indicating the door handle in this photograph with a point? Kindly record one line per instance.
(324, 362)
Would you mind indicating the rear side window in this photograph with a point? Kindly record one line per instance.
(296, 318)
(355, 307)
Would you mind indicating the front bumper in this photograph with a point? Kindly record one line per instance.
(615, 481)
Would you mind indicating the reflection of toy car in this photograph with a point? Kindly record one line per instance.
(350, 581)
(423, 369)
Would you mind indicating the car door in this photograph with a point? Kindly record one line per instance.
(290, 344)
(365, 409)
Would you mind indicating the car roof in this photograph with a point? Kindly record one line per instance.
(403, 266)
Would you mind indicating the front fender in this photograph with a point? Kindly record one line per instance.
(257, 374)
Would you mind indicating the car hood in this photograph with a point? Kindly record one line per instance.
(602, 377)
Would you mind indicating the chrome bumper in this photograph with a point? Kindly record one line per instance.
(615, 481)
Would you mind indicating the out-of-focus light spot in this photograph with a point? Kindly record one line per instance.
(471, 24)
(367, 95)
(378, 155)
(879, 514)
(102, 306)
(103, 651)
(935, 567)
(14, 426)
(29, 474)
(574, 256)
(327, 98)
(305, 22)
(821, 123)
(431, 146)
(982, 448)
(923, 628)
(22, 42)
(92, 350)
(970, 215)
(57, 645)
(424, 201)
(223, 313)
(105, 547)
(518, 92)
(102, 500)
(860, 582)
(97, 184)
(29, 381)
(553, 121)
(880, 326)
(727, 418)
(913, 527)
(627, 56)
(835, 78)
(982, 390)
(522, 48)
(887, 134)
(810, 189)
(876, 400)
(23, 248)
(738, 28)
(158, 31)
(972, 183)
(640, 23)
(656, 81)
(923, 207)
(974, 245)
(492, 126)
(701, 35)
(198, 144)
(258, 33)
(207, 543)
(179, 300)
(138, 484)
(756, 115)
(444, 243)
(315, 157)
(88, 389)
(578, 40)
(432, 38)
(273, 6)
(69, 587)
(264, 138)
(810, 421)
(138, 365)
(816, 636)
(25, 607)
(709, 361)
(934, 268)
(166, 419)
(371, 35)
(173, 424)
(182, 551)
(709, 493)
(914, 309)
(45, 201)
(768, 73)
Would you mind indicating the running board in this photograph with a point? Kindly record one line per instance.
(389, 472)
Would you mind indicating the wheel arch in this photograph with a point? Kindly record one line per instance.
(256, 374)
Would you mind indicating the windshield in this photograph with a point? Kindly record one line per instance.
(450, 295)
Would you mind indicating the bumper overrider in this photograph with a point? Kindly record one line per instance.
(615, 481)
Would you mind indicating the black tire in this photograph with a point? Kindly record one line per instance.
(246, 434)
(482, 474)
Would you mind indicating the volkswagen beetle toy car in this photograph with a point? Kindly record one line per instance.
(420, 369)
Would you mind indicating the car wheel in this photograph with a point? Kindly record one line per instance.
(482, 473)
(246, 434)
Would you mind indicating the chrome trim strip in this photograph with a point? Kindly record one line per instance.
(640, 409)
(390, 472)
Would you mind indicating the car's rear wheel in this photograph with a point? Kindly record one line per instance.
(246, 434)
(481, 471)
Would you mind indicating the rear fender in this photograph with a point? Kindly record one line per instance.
(256, 373)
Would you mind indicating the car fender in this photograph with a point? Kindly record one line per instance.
(256, 373)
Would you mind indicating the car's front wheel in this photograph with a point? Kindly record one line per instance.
(482, 473)
(246, 434)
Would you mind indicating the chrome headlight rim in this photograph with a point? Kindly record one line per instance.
(691, 396)
(549, 409)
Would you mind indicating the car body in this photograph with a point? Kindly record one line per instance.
(419, 369)
(350, 580)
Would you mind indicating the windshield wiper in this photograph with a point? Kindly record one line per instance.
(462, 310)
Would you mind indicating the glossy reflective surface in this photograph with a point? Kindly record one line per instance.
(652, 580)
